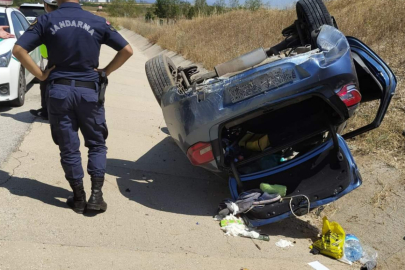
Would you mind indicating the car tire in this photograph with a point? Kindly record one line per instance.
(159, 71)
(312, 14)
(22, 88)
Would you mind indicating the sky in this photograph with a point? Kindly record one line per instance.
(280, 3)
(272, 3)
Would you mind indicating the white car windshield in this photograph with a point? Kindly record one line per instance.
(32, 11)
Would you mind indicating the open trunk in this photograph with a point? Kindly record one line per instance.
(291, 132)
(316, 176)
(302, 153)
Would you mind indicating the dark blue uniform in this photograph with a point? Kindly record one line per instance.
(73, 38)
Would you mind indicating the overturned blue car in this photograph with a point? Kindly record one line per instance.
(278, 116)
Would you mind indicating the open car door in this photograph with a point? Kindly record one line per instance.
(376, 82)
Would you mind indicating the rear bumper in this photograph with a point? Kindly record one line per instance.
(354, 180)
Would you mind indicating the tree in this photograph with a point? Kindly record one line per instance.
(201, 6)
(190, 13)
(220, 6)
(161, 7)
(169, 9)
(185, 7)
(253, 4)
(234, 4)
(123, 8)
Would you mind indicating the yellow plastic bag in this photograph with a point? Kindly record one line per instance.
(332, 241)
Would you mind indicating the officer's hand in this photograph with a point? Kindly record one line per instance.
(101, 70)
(45, 73)
(4, 34)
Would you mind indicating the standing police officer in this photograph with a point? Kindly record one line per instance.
(73, 38)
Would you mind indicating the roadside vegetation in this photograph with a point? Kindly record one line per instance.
(214, 37)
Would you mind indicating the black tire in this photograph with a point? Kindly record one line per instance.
(22, 88)
(159, 71)
(312, 14)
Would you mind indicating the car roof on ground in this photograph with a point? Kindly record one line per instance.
(32, 5)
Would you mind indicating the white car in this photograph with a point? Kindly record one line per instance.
(14, 77)
(32, 11)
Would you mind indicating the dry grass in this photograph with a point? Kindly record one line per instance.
(379, 23)
(216, 39)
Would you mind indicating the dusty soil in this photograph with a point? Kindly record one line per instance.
(373, 212)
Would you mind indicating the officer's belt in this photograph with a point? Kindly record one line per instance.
(91, 85)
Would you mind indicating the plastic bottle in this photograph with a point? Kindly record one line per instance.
(353, 248)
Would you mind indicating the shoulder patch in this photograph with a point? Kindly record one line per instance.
(32, 24)
(107, 22)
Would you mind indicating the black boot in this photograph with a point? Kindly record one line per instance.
(78, 201)
(96, 201)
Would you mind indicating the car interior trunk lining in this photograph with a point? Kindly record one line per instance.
(319, 177)
(292, 131)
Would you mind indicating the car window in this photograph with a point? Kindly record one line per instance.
(32, 11)
(3, 19)
(23, 20)
(17, 25)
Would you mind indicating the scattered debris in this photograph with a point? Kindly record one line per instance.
(226, 222)
(369, 265)
(284, 243)
(353, 250)
(318, 266)
(236, 227)
(246, 201)
(369, 258)
(344, 247)
(332, 242)
(274, 189)
(128, 190)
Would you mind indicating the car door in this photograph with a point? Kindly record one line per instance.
(35, 54)
(19, 29)
(376, 82)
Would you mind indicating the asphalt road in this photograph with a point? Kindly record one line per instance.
(15, 122)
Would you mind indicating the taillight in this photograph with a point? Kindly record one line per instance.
(200, 153)
(349, 95)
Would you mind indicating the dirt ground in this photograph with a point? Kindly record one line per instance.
(373, 212)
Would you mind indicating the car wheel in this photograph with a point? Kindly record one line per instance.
(22, 88)
(160, 72)
(312, 14)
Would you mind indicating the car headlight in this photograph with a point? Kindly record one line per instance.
(5, 59)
